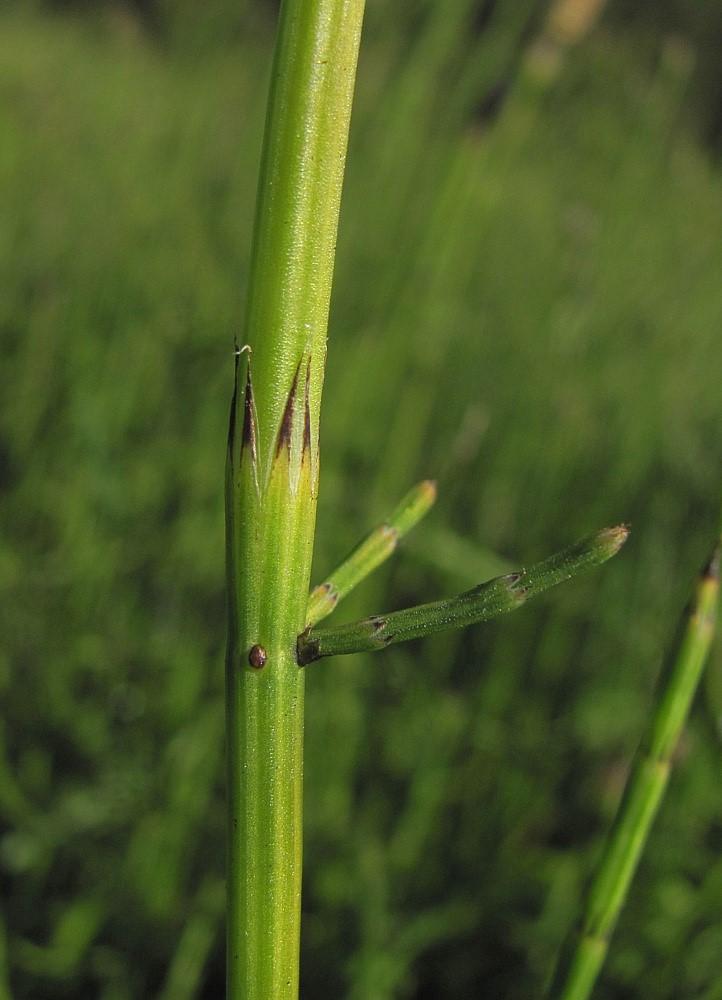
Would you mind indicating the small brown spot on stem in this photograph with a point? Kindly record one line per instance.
(257, 657)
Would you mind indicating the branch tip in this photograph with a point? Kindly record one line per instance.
(610, 540)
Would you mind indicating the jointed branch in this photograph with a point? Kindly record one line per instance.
(488, 600)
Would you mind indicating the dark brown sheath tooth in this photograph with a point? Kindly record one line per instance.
(286, 428)
(248, 439)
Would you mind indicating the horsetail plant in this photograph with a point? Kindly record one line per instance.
(271, 489)
(583, 955)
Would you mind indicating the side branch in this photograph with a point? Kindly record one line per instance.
(371, 552)
(488, 600)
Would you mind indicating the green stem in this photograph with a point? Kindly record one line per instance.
(271, 486)
(582, 957)
(488, 600)
(371, 552)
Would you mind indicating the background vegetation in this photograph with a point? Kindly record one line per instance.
(527, 307)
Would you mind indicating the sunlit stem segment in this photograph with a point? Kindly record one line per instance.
(583, 955)
(371, 552)
(272, 485)
(488, 600)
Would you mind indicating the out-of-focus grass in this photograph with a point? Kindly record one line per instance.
(529, 311)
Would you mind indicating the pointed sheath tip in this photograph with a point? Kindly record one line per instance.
(286, 427)
(248, 435)
(430, 489)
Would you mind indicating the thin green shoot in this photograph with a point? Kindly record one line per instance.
(374, 550)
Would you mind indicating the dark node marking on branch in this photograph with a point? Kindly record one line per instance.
(390, 532)
(286, 428)
(307, 650)
(257, 657)
(329, 591)
(516, 588)
(377, 623)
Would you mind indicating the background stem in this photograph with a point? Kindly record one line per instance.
(271, 486)
(583, 955)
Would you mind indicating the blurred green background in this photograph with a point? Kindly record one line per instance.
(527, 307)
